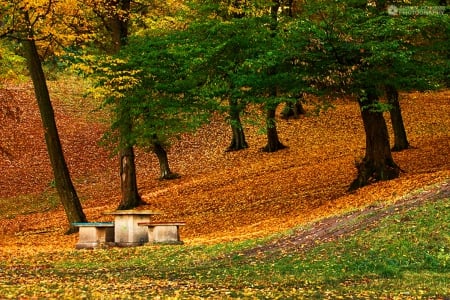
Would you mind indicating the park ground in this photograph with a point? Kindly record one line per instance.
(236, 204)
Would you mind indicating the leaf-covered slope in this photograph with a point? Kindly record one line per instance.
(221, 195)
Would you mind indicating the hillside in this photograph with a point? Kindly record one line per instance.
(221, 195)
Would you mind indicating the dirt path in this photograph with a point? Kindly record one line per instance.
(335, 227)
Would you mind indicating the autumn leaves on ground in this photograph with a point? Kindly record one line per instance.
(222, 196)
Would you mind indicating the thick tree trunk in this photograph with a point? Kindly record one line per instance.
(238, 137)
(400, 139)
(161, 154)
(128, 183)
(273, 142)
(377, 163)
(63, 182)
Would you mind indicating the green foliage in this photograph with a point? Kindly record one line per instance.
(162, 105)
(147, 86)
(168, 81)
(240, 61)
(365, 47)
(12, 66)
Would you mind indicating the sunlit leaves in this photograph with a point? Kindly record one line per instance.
(113, 80)
(12, 66)
(52, 24)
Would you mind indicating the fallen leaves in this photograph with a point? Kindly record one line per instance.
(221, 195)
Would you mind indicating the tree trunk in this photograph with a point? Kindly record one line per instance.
(118, 23)
(118, 27)
(400, 139)
(273, 142)
(377, 163)
(164, 168)
(63, 182)
(238, 138)
(292, 110)
(128, 183)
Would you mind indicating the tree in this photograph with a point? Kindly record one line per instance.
(428, 45)
(293, 109)
(115, 17)
(149, 80)
(27, 23)
(400, 138)
(377, 163)
(161, 153)
(238, 141)
(370, 50)
(239, 63)
(237, 10)
(117, 24)
(270, 72)
(244, 63)
(221, 47)
(273, 142)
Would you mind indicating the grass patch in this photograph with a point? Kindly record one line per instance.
(406, 256)
(70, 92)
(27, 204)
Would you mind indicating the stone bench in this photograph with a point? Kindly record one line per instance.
(95, 235)
(163, 232)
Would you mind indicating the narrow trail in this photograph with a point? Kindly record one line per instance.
(335, 227)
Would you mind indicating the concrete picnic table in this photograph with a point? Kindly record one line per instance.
(127, 232)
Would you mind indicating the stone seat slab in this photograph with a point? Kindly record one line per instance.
(163, 232)
(95, 235)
